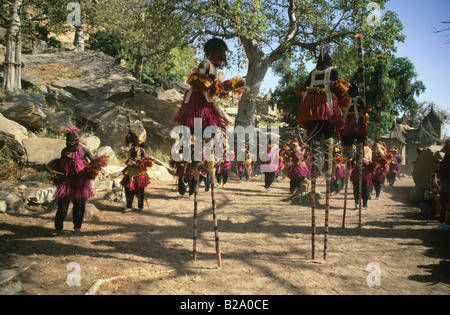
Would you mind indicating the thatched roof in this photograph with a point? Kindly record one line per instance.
(395, 133)
(433, 116)
(429, 127)
(421, 136)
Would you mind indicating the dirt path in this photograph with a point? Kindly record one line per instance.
(265, 245)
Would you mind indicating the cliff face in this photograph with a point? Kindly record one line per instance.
(94, 92)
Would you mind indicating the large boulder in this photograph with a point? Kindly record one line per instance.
(106, 150)
(113, 133)
(96, 113)
(58, 122)
(161, 111)
(90, 141)
(425, 165)
(109, 122)
(158, 136)
(39, 195)
(40, 151)
(12, 134)
(102, 78)
(25, 108)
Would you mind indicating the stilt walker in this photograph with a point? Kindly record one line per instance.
(200, 102)
(355, 128)
(320, 114)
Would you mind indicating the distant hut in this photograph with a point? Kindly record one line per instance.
(418, 140)
(436, 123)
(428, 126)
(395, 138)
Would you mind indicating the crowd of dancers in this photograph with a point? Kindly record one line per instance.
(381, 166)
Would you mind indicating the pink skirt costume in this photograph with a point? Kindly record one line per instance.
(272, 162)
(320, 100)
(75, 184)
(381, 170)
(299, 169)
(287, 160)
(198, 103)
(395, 165)
(135, 176)
(356, 121)
(245, 167)
(189, 174)
(226, 165)
(366, 176)
(340, 172)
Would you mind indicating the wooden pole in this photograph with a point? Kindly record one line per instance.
(195, 236)
(360, 166)
(329, 165)
(315, 170)
(212, 175)
(313, 216)
(347, 173)
(362, 85)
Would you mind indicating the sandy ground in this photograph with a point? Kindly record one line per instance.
(265, 245)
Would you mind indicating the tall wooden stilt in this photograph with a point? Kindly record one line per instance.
(315, 171)
(360, 166)
(313, 217)
(212, 175)
(195, 236)
(329, 168)
(347, 173)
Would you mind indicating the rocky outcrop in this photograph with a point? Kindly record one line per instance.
(25, 108)
(98, 77)
(42, 150)
(12, 134)
(93, 92)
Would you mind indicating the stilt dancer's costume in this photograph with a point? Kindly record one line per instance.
(285, 156)
(354, 132)
(324, 97)
(367, 175)
(245, 167)
(269, 163)
(299, 169)
(395, 164)
(379, 177)
(223, 168)
(72, 174)
(185, 177)
(339, 174)
(200, 102)
(135, 178)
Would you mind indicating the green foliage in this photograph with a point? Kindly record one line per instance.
(150, 31)
(284, 95)
(105, 41)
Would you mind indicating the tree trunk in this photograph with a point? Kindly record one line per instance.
(247, 105)
(13, 62)
(138, 69)
(259, 63)
(78, 41)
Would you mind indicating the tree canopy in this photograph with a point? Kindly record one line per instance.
(160, 39)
